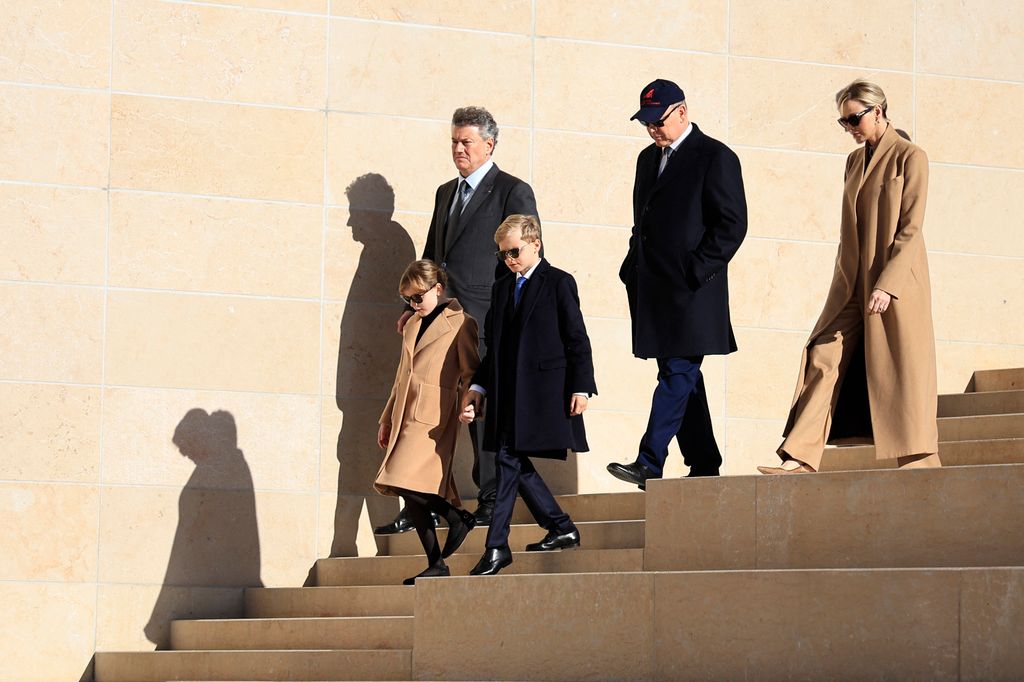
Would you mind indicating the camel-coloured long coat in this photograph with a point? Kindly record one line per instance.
(881, 246)
(423, 408)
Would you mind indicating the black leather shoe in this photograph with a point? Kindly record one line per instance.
(555, 540)
(492, 561)
(634, 472)
(431, 572)
(458, 534)
(401, 524)
(483, 514)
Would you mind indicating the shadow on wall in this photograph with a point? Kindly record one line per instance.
(216, 550)
(367, 355)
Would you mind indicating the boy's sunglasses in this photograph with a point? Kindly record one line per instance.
(510, 253)
(416, 298)
(853, 120)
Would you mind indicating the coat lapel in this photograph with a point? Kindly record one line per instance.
(884, 145)
(441, 219)
(480, 195)
(412, 328)
(440, 327)
(532, 291)
(685, 155)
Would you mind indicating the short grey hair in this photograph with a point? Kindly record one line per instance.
(479, 117)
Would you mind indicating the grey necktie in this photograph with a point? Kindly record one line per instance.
(665, 153)
(456, 214)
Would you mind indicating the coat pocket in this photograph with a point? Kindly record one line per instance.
(433, 404)
(551, 363)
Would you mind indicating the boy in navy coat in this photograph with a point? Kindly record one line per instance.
(537, 375)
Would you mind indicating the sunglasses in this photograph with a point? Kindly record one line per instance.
(660, 123)
(417, 298)
(853, 120)
(510, 253)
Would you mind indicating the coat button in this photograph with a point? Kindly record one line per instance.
(444, 264)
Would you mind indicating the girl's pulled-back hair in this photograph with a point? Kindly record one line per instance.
(422, 274)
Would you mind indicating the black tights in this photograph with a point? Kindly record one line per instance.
(419, 505)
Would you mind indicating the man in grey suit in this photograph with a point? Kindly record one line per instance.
(467, 211)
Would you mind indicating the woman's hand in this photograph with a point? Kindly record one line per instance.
(471, 404)
(878, 302)
(384, 436)
(577, 405)
(468, 414)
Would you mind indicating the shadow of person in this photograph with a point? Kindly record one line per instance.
(216, 544)
(367, 356)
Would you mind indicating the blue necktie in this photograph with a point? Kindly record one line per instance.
(519, 289)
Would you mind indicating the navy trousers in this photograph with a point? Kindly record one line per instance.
(516, 473)
(679, 409)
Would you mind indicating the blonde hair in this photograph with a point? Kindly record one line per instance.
(528, 226)
(863, 91)
(422, 274)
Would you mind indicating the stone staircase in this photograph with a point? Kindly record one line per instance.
(845, 575)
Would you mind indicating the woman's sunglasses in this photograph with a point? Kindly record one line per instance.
(853, 120)
(416, 298)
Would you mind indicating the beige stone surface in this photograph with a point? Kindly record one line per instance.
(806, 625)
(49, 432)
(360, 352)
(191, 536)
(592, 255)
(609, 79)
(347, 521)
(128, 616)
(762, 375)
(310, 6)
(59, 333)
(414, 162)
(792, 195)
(927, 517)
(407, 71)
(192, 244)
(974, 210)
(277, 435)
(50, 531)
(713, 529)
(974, 296)
(957, 361)
(68, 44)
(368, 247)
(217, 149)
(54, 135)
(792, 106)
(986, 133)
(779, 284)
(56, 617)
(623, 381)
(976, 39)
(749, 443)
(682, 25)
(349, 454)
(874, 34)
(220, 53)
(512, 16)
(212, 342)
(991, 612)
(593, 612)
(566, 195)
(52, 234)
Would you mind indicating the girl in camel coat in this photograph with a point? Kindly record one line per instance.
(867, 374)
(420, 424)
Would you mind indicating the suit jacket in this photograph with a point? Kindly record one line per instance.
(687, 224)
(889, 395)
(552, 360)
(468, 256)
(423, 408)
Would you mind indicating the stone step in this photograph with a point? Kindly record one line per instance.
(591, 507)
(391, 570)
(973, 404)
(912, 624)
(950, 516)
(982, 427)
(326, 602)
(952, 453)
(378, 632)
(311, 665)
(593, 535)
(998, 380)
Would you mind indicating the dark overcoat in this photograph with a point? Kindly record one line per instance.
(687, 224)
(552, 361)
(465, 253)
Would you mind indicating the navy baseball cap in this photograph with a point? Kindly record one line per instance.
(656, 98)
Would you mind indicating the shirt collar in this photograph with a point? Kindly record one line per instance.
(679, 140)
(529, 273)
(474, 178)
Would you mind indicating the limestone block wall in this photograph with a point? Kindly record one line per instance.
(204, 207)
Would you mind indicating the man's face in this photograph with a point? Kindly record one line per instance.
(469, 150)
(527, 256)
(675, 121)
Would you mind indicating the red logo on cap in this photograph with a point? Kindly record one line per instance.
(649, 95)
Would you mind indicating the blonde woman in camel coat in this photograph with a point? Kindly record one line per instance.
(420, 424)
(867, 374)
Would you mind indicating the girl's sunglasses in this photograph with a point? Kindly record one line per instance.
(853, 120)
(416, 298)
